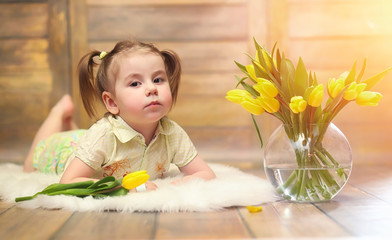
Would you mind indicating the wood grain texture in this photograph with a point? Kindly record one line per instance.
(108, 225)
(224, 224)
(23, 20)
(30, 224)
(363, 209)
(184, 24)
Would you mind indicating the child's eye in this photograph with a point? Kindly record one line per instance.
(135, 84)
(158, 80)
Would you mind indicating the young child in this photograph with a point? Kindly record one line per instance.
(138, 85)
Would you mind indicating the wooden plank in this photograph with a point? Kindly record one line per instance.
(14, 149)
(23, 54)
(322, 53)
(242, 158)
(338, 18)
(226, 144)
(258, 19)
(25, 81)
(221, 137)
(197, 225)
(12, 136)
(22, 223)
(374, 178)
(277, 24)
(23, 20)
(59, 49)
(265, 224)
(228, 22)
(360, 213)
(199, 57)
(78, 43)
(33, 106)
(209, 111)
(209, 57)
(360, 115)
(4, 206)
(164, 2)
(305, 220)
(211, 84)
(108, 225)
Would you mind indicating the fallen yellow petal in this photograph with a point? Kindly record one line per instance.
(254, 209)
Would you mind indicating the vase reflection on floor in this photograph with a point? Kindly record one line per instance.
(308, 163)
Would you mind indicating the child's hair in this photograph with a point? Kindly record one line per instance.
(91, 88)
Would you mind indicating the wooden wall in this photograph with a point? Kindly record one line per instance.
(34, 68)
(38, 60)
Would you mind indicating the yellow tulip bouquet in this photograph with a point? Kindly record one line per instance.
(273, 85)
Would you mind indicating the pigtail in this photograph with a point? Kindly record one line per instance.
(173, 70)
(87, 85)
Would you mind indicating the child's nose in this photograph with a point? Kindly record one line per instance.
(151, 89)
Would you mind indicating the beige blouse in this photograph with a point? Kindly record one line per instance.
(112, 147)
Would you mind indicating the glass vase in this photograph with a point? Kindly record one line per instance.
(308, 163)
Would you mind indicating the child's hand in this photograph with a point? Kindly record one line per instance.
(138, 182)
(150, 186)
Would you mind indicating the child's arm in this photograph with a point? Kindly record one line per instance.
(196, 168)
(77, 171)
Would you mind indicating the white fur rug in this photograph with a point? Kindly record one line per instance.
(232, 187)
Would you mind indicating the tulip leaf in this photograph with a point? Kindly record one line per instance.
(315, 83)
(278, 59)
(103, 187)
(244, 70)
(370, 82)
(317, 114)
(259, 71)
(285, 77)
(257, 130)
(291, 74)
(360, 75)
(241, 67)
(239, 80)
(310, 78)
(247, 87)
(351, 75)
(300, 78)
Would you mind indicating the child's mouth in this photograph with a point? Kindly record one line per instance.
(153, 103)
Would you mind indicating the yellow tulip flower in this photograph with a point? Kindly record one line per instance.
(252, 105)
(237, 95)
(251, 70)
(266, 88)
(269, 104)
(316, 96)
(297, 104)
(335, 86)
(135, 179)
(367, 98)
(354, 90)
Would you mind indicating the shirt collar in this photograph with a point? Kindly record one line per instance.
(125, 133)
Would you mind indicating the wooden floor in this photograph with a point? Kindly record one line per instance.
(362, 209)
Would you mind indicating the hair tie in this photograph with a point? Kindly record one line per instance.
(102, 55)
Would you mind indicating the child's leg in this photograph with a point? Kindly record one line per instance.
(58, 120)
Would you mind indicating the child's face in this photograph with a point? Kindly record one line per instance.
(142, 91)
